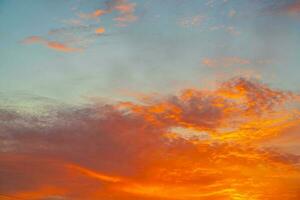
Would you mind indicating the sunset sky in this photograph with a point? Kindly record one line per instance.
(150, 99)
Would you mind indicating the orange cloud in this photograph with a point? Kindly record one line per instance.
(93, 174)
(155, 149)
(79, 33)
(50, 44)
(94, 15)
(100, 30)
(125, 9)
(33, 39)
(239, 110)
(60, 47)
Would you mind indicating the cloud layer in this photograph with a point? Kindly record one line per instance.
(198, 144)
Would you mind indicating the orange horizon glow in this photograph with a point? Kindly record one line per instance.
(150, 100)
(198, 145)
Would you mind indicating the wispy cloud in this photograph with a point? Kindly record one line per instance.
(50, 44)
(124, 8)
(94, 15)
(191, 21)
(233, 62)
(292, 8)
(225, 62)
(229, 29)
(232, 13)
(289, 8)
(83, 30)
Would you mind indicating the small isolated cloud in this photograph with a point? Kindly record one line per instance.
(58, 46)
(232, 13)
(214, 3)
(229, 29)
(100, 30)
(232, 30)
(191, 21)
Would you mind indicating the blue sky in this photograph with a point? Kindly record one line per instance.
(162, 50)
(150, 99)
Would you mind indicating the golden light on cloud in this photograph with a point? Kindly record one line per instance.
(58, 46)
(100, 30)
(196, 145)
(150, 100)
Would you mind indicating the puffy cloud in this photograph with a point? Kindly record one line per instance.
(100, 30)
(139, 150)
(240, 110)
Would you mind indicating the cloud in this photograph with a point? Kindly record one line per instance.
(125, 9)
(289, 8)
(232, 30)
(232, 13)
(94, 15)
(229, 29)
(84, 29)
(50, 44)
(130, 150)
(225, 62)
(232, 112)
(100, 30)
(292, 8)
(191, 21)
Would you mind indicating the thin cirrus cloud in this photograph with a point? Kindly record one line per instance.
(233, 62)
(129, 150)
(50, 44)
(94, 15)
(289, 8)
(225, 62)
(292, 8)
(125, 9)
(193, 21)
(80, 32)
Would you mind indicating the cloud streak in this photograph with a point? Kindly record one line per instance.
(82, 30)
(124, 8)
(58, 46)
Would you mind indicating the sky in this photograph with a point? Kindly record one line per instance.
(149, 99)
